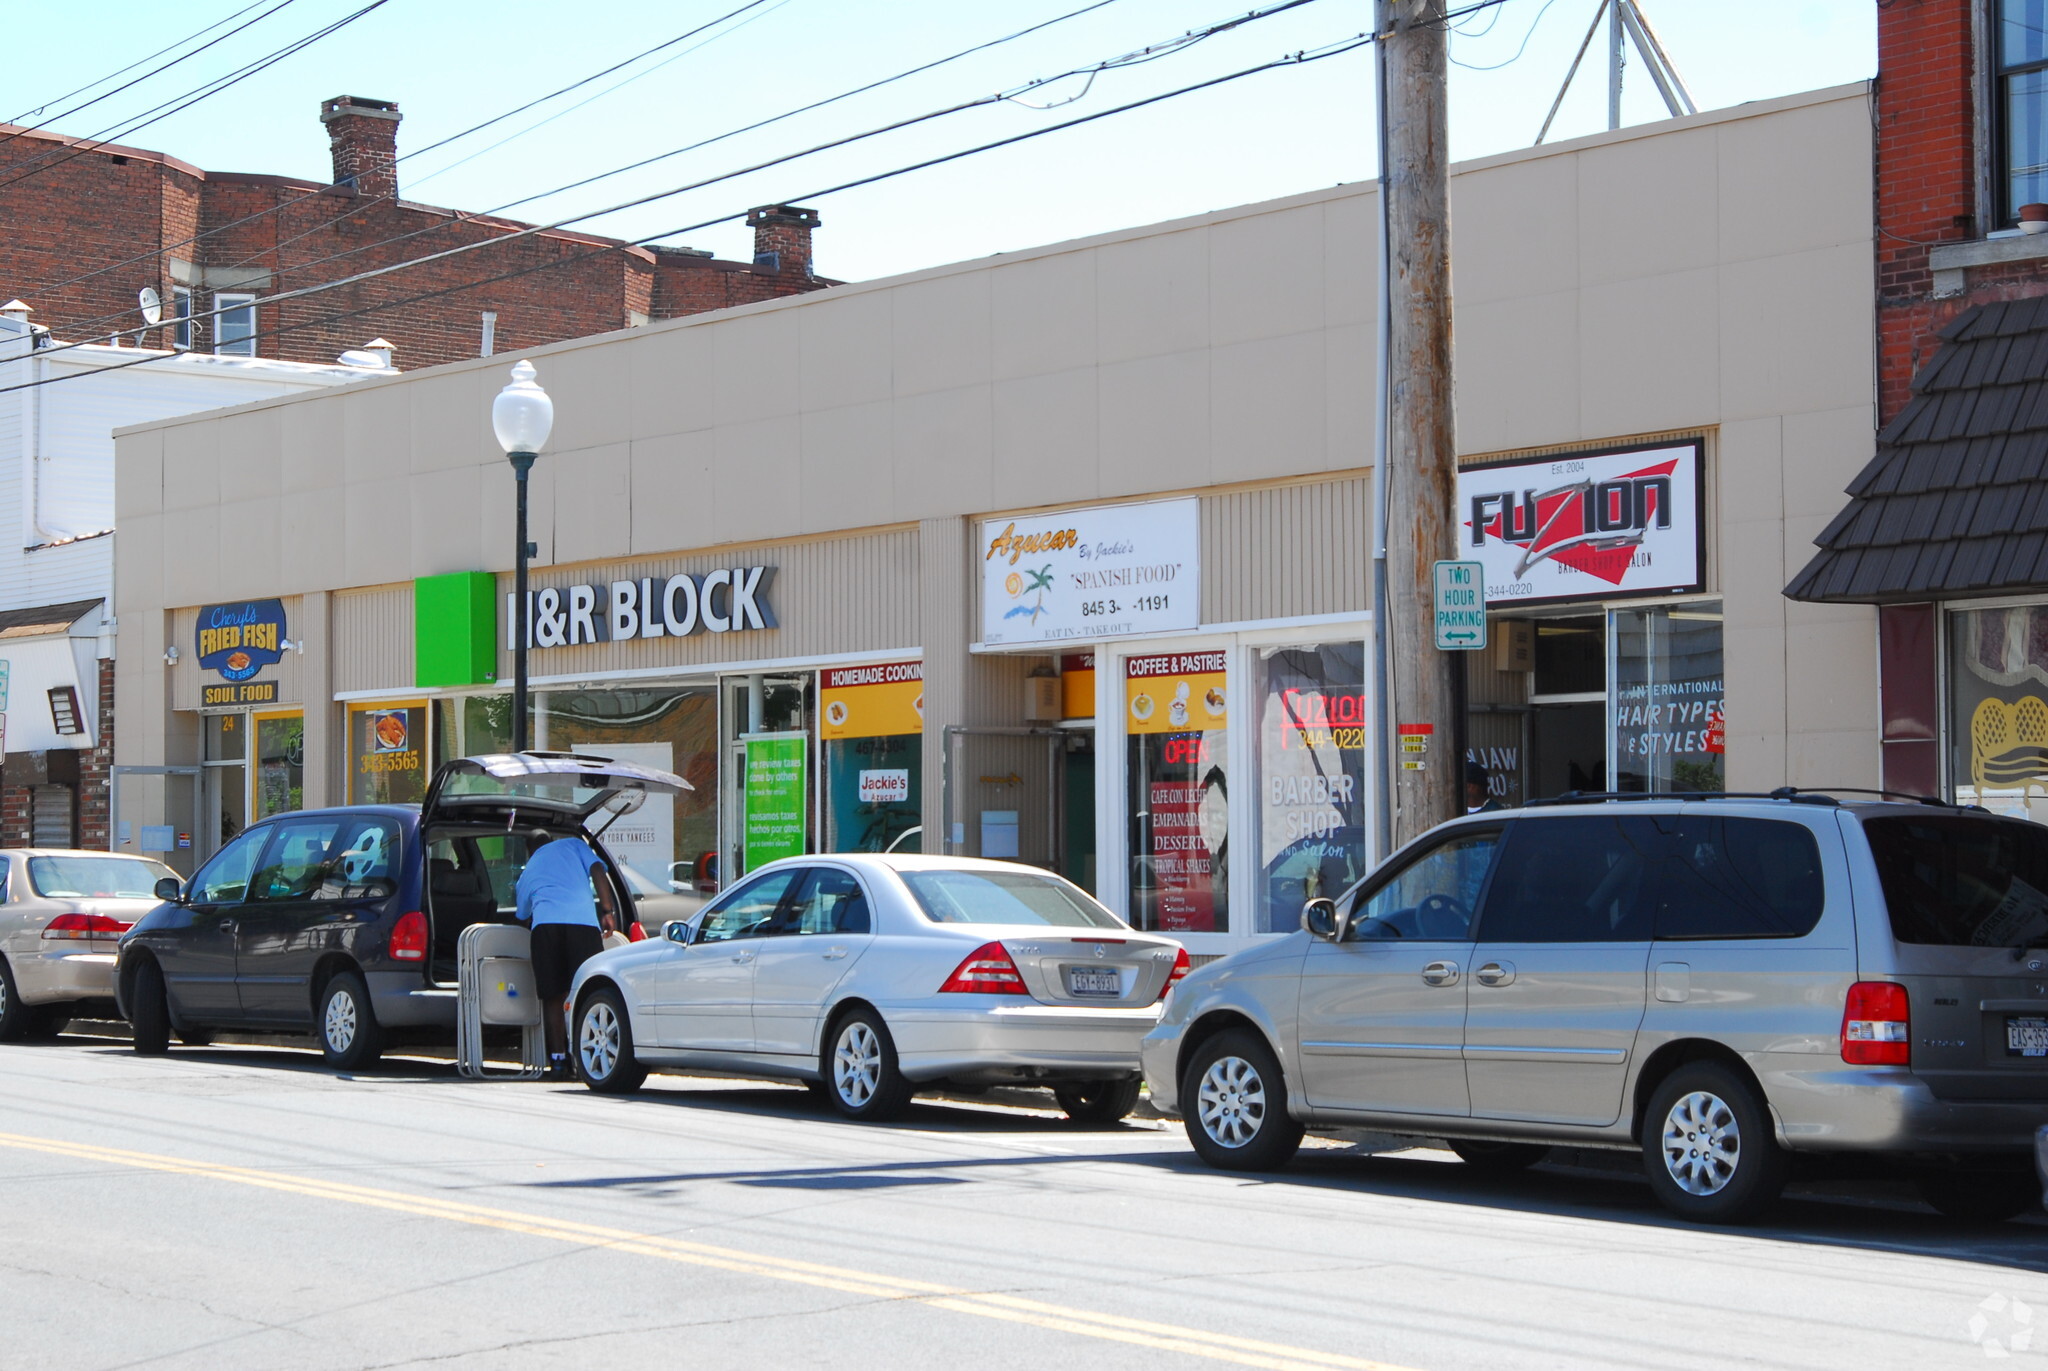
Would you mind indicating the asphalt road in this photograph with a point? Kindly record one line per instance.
(243, 1208)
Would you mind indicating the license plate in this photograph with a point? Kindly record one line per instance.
(1094, 980)
(2026, 1037)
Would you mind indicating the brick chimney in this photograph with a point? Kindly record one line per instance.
(363, 136)
(782, 238)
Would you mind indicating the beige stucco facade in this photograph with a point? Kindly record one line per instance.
(1709, 276)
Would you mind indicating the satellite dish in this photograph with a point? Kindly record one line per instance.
(152, 305)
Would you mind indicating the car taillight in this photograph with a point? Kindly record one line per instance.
(1181, 968)
(67, 927)
(988, 970)
(1877, 1025)
(409, 937)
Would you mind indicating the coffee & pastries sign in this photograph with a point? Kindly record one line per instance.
(1081, 574)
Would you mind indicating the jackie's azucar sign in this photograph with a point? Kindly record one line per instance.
(1585, 525)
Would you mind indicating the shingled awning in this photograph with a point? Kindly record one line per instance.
(1955, 503)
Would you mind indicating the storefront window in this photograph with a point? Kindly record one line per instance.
(872, 723)
(1667, 702)
(1179, 800)
(1312, 778)
(669, 728)
(387, 750)
(280, 763)
(1998, 709)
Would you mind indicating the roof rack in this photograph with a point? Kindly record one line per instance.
(1789, 793)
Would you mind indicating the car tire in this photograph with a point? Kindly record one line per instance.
(604, 1045)
(1980, 1196)
(149, 1011)
(1099, 1103)
(15, 1017)
(346, 1024)
(859, 1065)
(1234, 1098)
(1499, 1158)
(1709, 1148)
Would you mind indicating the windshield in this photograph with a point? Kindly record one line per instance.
(1963, 882)
(96, 878)
(1004, 897)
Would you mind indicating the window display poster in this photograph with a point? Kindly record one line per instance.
(1175, 706)
(872, 787)
(1584, 526)
(388, 748)
(1313, 725)
(774, 803)
(1081, 574)
(1998, 709)
(1669, 706)
(645, 839)
(871, 701)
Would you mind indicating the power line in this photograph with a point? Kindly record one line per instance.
(178, 103)
(1299, 58)
(28, 113)
(358, 207)
(1518, 51)
(1138, 56)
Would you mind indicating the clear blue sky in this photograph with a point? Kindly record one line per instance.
(453, 63)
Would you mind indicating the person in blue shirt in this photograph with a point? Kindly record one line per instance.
(559, 893)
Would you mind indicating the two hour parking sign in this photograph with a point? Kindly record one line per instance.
(1460, 606)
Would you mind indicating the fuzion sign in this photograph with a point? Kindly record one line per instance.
(652, 607)
(1587, 526)
(1091, 573)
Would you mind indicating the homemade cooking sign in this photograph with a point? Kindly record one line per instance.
(1591, 525)
(239, 640)
(1091, 573)
(876, 701)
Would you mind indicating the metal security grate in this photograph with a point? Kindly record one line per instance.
(50, 816)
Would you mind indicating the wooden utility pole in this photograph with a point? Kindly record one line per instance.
(1419, 453)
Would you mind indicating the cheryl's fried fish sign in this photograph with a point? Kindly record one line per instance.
(1579, 526)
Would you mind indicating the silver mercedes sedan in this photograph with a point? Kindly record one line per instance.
(61, 913)
(871, 976)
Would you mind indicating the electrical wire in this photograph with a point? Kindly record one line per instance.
(357, 207)
(1533, 24)
(30, 113)
(531, 230)
(38, 165)
(1298, 58)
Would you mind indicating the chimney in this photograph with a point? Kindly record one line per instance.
(782, 238)
(363, 136)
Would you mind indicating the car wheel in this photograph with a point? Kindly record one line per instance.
(1980, 1196)
(149, 1013)
(349, 1036)
(1235, 1099)
(604, 1045)
(1098, 1102)
(14, 1015)
(1708, 1146)
(859, 1066)
(1486, 1155)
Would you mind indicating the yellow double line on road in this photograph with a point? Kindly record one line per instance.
(1009, 1308)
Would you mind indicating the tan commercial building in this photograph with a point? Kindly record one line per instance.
(998, 551)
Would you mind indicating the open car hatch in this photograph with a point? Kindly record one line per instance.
(563, 784)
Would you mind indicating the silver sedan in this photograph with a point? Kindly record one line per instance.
(870, 976)
(61, 913)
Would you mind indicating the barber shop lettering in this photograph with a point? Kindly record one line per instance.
(239, 640)
(651, 607)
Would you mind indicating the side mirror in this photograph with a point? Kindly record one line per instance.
(169, 891)
(677, 931)
(1319, 917)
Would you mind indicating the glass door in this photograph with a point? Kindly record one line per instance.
(279, 776)
(224, 797)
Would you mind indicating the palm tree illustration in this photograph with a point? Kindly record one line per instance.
(1041, 581)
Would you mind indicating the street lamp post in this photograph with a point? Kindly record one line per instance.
(521, 416)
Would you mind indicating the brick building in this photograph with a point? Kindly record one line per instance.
(1946, 529)
(84, 227)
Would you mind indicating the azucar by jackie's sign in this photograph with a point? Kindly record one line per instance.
(1091, 573)
(1585, 526)
(239, 640)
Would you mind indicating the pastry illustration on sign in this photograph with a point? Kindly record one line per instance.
(1213, 702)
(1141, 707)
(835, 713)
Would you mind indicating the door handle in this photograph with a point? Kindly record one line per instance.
(743, 957)
(1495, 973)
(834, 954)
(227, 925)
(1440, 973)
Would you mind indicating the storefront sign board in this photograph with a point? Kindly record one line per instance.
(876, 701)
(238, 640)
(1175, 692)
(885, 785)
(1107, 572)
(1585, 526)
(774, 801)
(247, 693)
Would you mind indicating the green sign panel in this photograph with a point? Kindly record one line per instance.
(775, 796)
